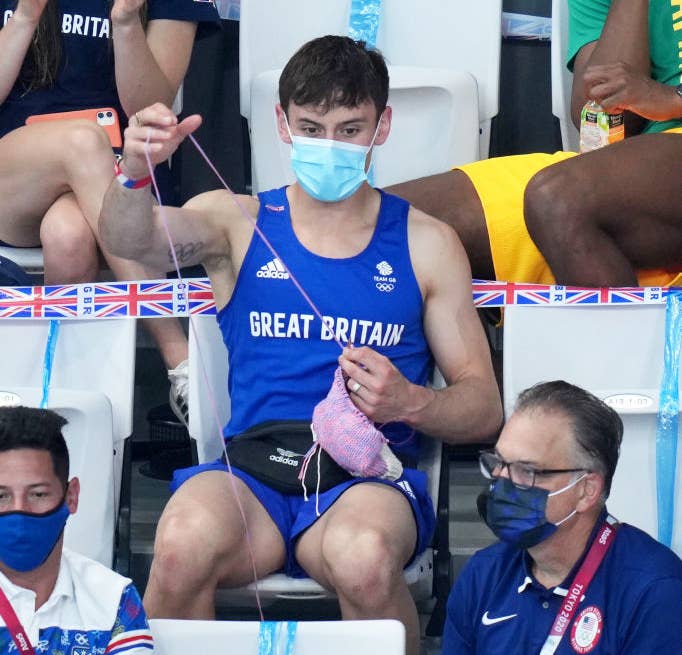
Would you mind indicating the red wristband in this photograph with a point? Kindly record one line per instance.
(129, 183)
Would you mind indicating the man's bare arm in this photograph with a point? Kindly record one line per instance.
(469, 408)
(624, 39)
(131, 227)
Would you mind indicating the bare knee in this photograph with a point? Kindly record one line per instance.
(183, 561)
(69, 245)
(552, 208)
(362, 565)
(87, 147)
(86, 137)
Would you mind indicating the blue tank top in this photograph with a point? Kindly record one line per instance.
(282, 358)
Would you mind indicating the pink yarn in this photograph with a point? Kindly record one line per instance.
(350, 438)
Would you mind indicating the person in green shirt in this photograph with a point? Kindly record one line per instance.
(610, 217)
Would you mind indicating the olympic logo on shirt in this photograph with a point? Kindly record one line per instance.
(80, 639)
(385, 286)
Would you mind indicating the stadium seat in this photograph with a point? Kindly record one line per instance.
(617, 354)
(206, 345)
(451, 34)
(89, 439)
(209, 406)
(562, 78)
(93, 361)
(176, 637)
(30, 259)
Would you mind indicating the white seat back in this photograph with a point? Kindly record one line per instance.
(90, 531)
(562, 78)
(208, 369)
(419, 97)
(176, 637)
(97, 355)
(617, 354)
(453, 34)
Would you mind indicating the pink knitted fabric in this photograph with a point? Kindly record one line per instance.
(350, 437)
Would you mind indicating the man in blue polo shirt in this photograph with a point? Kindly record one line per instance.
(533, 591)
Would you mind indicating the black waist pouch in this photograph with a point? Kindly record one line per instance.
(273, 452)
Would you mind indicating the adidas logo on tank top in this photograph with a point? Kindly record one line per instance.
(274, 270)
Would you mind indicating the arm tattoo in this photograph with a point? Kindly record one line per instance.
(185, 251)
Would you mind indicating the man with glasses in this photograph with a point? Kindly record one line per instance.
(565, 576)
(609, 217)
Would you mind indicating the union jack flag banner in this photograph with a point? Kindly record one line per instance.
(159, 298)
(501, 294)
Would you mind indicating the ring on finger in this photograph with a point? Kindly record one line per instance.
(356, 387)
(138, 119)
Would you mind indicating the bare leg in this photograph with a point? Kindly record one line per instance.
(70, 252)
(201, 544)
(69, 246)
(38, 165)
(359, 548)
(452, 197)
(600, 216)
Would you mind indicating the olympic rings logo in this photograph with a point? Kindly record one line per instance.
(384, 286)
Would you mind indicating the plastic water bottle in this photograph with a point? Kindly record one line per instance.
(598, 128)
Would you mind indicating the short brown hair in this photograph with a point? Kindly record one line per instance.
(335, 71)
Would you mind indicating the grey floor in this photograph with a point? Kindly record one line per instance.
(149, 495)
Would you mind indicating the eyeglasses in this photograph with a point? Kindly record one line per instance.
(522, 475)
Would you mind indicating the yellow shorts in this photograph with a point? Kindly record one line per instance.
(500, 183)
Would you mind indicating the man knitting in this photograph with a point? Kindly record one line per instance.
(390, 280)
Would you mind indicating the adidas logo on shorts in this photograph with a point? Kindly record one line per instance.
(405, 486)
(273, 270)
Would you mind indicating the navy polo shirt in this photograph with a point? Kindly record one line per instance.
(85, 79)
(633, 605)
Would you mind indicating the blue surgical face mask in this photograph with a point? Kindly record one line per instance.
(329, 170)
(27, 539)
(517, 516)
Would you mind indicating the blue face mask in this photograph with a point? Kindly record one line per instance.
(517, 516)
(26, 539)
(329, 170)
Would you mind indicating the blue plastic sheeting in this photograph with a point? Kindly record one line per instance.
(524, 26)
(667, 431)
(48, 360)
(277, 637)
(363, 23)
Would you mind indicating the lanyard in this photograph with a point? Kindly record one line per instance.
(9, 616)
(581, 582)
